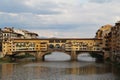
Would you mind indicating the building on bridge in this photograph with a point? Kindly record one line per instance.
(41, 47)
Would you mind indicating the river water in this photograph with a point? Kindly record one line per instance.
(58, 67)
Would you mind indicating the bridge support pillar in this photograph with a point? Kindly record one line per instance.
(39, 56)
(73, 56)
(106, 55)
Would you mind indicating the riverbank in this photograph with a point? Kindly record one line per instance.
(4, 61)
(8, 59)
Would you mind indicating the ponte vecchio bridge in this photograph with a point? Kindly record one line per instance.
(41, 47)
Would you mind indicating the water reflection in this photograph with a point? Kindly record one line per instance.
(85, 57)
(57, 71)
(59, 56)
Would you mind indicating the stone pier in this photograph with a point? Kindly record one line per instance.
(73, 56)
(39, 56)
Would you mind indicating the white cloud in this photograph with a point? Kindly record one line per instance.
(13, 14)
(83, 17)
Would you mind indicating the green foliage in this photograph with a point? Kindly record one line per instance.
(49, 53)
(23, 56)
(4, 60)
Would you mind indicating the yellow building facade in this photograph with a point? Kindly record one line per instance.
(44, 46)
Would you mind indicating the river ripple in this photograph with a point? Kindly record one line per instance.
(59, 70)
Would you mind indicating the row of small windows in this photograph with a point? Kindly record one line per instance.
(83, 44)
(86, 48)
(6, 35)
(25, 44)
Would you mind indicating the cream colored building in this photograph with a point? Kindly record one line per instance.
(103, 31)
(26, 34)
(7, 34)
(10, 33)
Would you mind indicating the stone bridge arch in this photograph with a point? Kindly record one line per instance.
(41, 55)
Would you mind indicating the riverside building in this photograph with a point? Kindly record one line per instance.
(110, 36)
(103, 33)
(115, 42)
(7, 34)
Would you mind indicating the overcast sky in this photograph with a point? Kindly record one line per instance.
(59, 18)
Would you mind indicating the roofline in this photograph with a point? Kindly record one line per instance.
(59, 39)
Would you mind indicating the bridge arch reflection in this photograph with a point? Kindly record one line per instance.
(85, 57)
(57, 56)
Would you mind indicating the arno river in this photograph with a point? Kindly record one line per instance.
(58, 67)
